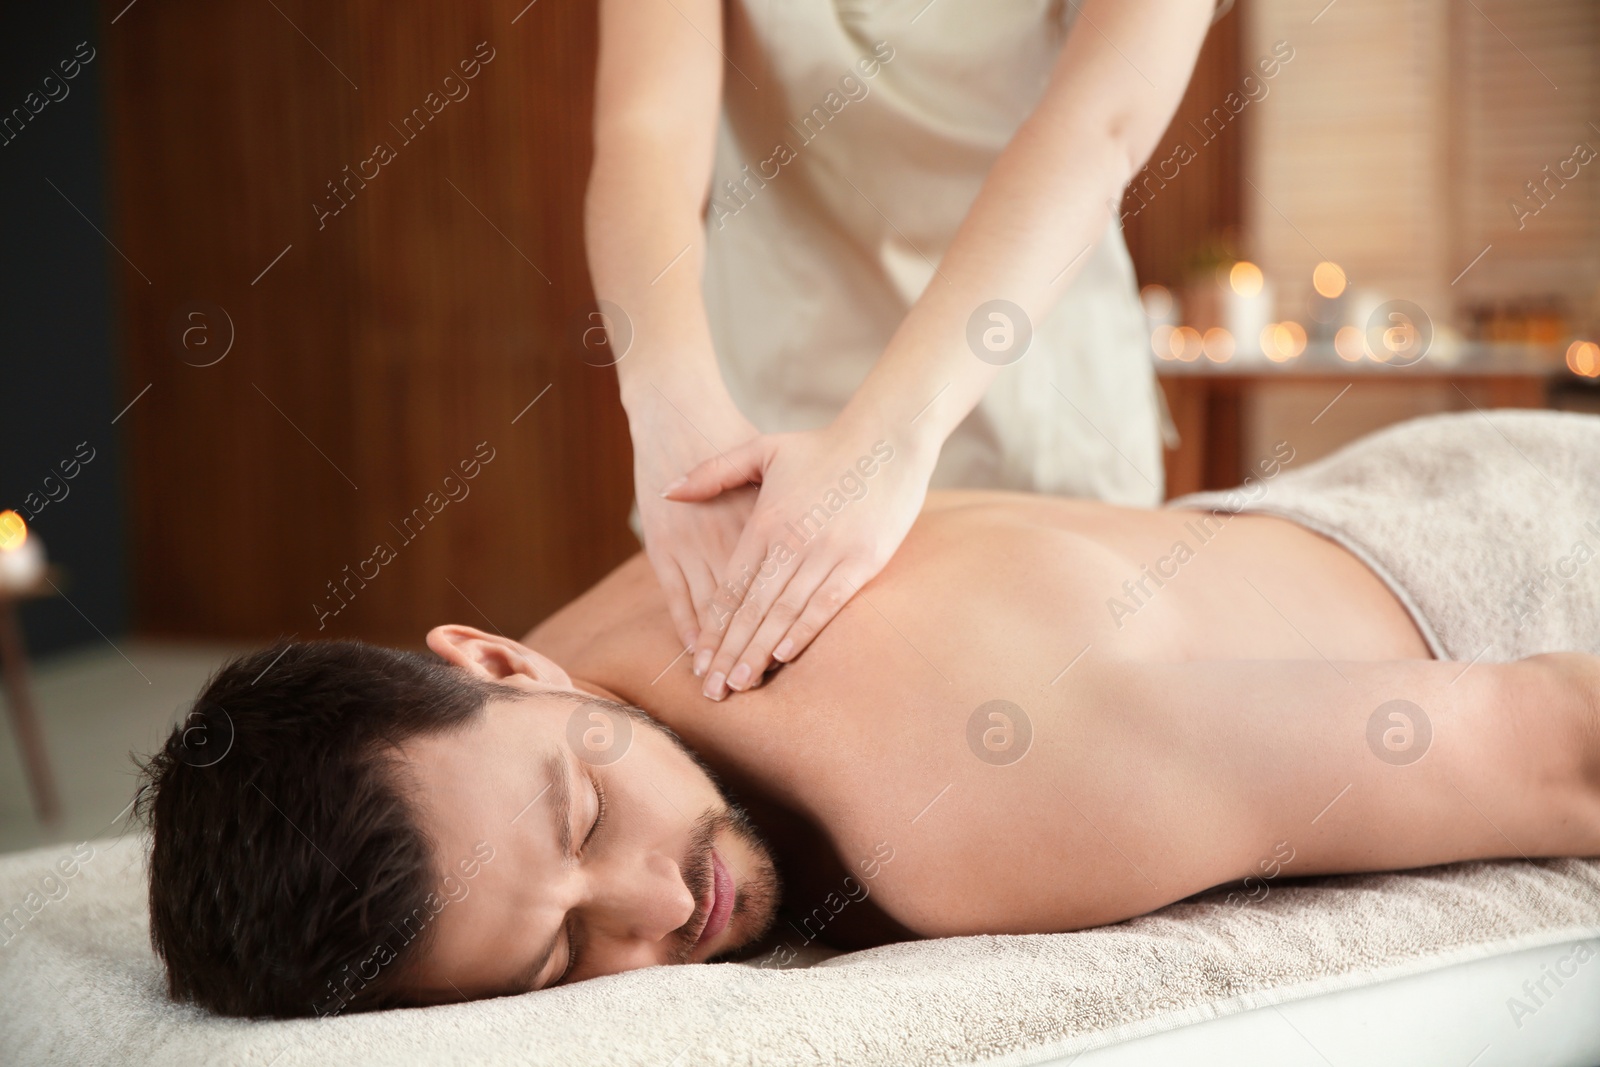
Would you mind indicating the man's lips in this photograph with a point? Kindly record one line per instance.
(721, 905)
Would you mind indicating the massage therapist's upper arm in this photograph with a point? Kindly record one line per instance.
(1126, 64)
(660, 80)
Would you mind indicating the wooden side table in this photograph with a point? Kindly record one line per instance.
(19, 697)
(1207, 402)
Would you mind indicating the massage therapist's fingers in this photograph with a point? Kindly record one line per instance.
(697, 538)
(750, 666)
(680, 599)
(715, 605)
(750, 585)
(701, 537)
(708, 627)
(827, 498)
(829, 599)
(741, 465)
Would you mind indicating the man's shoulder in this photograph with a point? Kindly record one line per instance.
(628, 591)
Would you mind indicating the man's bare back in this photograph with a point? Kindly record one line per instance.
(1172, 714)
(1042, 715)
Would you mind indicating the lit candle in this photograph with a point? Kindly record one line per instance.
(1283, 341)
(21, 555)
(1583, 358)
(1327, 306)
(1247, 307)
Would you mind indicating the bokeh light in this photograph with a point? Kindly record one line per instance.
(1161, 342)
(13, 531)
(1217, 345)
(1246, 278)
(1350, 343)
(1283, 341)
(1398, 340)
(1328, 279)
(1187, 343)
(1583, 358)
(1157, 300)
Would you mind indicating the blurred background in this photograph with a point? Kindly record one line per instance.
(233, 366)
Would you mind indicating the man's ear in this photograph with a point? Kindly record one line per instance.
(493, 658)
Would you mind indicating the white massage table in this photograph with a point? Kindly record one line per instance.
(1451, 1015)
(1413, 968)
(1434, 966)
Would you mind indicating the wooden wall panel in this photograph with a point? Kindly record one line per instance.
(375, 348)
(1164, 229)
(1167, 230)
(387, 342)
(1351, 162)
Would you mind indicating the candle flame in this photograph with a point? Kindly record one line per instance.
(13, 531)
(1218, 345)
(1283, 341)
(1186, 344)
(1328, 279)
(1246, 278)
(1350, 343)
(1583, 357)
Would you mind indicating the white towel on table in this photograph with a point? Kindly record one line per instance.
(1455, 512)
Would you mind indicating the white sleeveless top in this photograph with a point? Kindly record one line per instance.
(844, 177)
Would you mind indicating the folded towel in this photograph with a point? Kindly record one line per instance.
(1448, 512)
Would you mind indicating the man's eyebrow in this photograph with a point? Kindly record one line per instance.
(555, 768)
(560, 814)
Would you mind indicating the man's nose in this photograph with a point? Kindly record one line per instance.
(644, 901)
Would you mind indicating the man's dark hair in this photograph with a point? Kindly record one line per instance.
(286, 859)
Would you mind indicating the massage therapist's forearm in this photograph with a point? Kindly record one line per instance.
(1046, 201)
(657, 98)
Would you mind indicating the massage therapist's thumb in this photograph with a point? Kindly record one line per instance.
(730, 470)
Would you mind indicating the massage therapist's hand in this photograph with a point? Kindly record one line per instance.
(688, 544)
(835, 504)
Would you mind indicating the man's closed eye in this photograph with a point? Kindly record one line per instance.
(574, 944)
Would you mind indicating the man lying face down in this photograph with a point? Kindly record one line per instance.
(978, 743)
